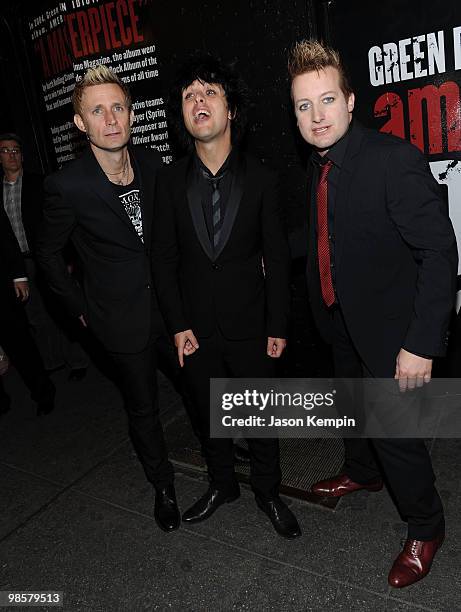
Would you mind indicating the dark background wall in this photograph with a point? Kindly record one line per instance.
(254, 34)
(19, 104)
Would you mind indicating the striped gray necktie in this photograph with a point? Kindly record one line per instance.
(216, 210)
(215, 205)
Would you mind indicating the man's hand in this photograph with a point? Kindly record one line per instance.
(186, 344)
(82, 321)
(275, 346)
(21, 289)
(411, 370)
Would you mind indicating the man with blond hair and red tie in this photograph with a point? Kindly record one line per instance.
(381, 272)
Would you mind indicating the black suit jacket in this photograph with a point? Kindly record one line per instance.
(32, 197)
(11, 261)
(117, 297)
(395, 252)
(200, 290)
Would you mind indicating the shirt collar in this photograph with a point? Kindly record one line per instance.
(227, 165)
(6, 182)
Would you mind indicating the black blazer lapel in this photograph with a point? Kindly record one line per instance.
(195, 206)
(103, 188)
(233, 204)
(345, 183)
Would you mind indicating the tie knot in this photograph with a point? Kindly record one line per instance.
(324, 170)
(214, 180)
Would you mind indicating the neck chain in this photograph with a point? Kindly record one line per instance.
(124, 172)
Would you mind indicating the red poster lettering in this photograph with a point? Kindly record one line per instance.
(96, 23)
(126, 34)
(425, 106)
(57, 51)
(73, 36)
(390, 105)
(40, 50)
(433, 97)
(137, 36)
(84, 29)
(112, 24)
(116, 21)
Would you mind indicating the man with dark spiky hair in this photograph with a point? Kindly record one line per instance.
(221, 267)
(381, 274)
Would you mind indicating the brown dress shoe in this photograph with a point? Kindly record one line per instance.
(342, 485)
(414, 562)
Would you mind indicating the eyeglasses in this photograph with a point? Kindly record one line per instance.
(6, 150)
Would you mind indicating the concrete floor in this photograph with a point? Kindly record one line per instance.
(76, 515)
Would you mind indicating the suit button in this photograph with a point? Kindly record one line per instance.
(147, 286)
(215, 267)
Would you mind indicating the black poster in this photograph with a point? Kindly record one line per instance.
(70, 36)
(404, 59)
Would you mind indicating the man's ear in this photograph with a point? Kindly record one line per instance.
(79, 123)
(231, 115)
(351, 102)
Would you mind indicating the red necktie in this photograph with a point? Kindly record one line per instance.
(323, 243)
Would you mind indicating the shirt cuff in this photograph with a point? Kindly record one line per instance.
(419, 354)
(23, 278)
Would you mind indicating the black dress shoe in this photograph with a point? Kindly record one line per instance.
(77, 374)
(166, 511)
(241, 454)
(281, 517)
(208, 503)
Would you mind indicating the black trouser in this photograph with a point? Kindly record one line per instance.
(137, 379)
(19, 345)
(405, 463)
(218, 357)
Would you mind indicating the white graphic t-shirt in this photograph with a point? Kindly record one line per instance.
(130, 197)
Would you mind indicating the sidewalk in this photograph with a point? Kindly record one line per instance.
(76, 515)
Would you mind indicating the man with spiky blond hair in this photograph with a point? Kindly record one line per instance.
(381, 275)
(103, 203)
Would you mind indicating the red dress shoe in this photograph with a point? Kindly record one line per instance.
(414, 562)
(342, 485)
